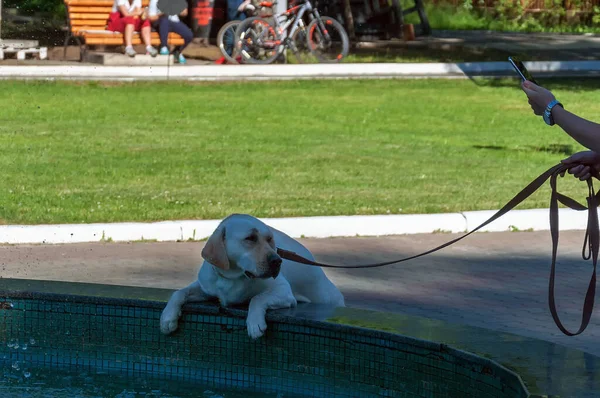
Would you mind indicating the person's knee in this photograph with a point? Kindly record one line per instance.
(187, 35)
(163, 23)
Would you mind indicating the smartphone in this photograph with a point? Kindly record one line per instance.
(521, 70)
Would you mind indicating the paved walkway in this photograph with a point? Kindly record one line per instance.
(572, 55)
(532, 46)
(492, 280)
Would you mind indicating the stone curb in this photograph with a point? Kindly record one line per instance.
(286, 72)
(309, 227)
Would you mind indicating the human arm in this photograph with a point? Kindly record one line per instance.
(153, 12)
(585, 132)
(154, 17)
(138, 10)
(244, 4)
(124, 8)
(125, 11)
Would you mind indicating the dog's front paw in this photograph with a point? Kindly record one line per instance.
(168, 321)
(256, 326)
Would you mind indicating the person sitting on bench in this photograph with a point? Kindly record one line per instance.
(126, 18)
(165, 24)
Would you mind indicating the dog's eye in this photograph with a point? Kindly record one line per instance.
(269, 239)
(251, 238)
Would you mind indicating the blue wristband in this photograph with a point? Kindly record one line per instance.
(548, 112)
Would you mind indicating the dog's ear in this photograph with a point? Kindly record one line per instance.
(214, 251)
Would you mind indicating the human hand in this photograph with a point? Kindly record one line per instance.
(243, 5)
(539, 97)
(184, 13)
(583, 164)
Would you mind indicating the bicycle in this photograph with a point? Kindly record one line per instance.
(226, 35)
(258, 41)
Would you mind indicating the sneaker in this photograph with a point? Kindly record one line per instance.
(221, 61)
(178, 57)
(164, 51)
(151, 51)
(130, 51)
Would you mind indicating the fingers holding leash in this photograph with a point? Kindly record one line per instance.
(581, 171)
(583, 165)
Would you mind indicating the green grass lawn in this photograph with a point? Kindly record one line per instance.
(73, 153)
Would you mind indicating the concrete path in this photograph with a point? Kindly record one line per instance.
(554, 55)
(535, 45)
(494, 280)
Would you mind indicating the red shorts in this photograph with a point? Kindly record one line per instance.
(117, 22)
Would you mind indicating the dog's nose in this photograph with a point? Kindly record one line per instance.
(275, 265)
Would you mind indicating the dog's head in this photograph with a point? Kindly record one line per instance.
(242, 244)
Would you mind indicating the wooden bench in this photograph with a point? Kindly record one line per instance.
(87, 21)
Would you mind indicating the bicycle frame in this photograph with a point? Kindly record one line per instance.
(287, 23)
(285, 30)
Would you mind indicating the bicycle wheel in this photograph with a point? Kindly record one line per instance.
(257, 42)
(328, 41)
(226, 41)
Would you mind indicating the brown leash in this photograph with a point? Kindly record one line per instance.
(591, 241)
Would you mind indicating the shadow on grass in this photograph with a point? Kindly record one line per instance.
(445, 54)
(551, 83)
(560, 149)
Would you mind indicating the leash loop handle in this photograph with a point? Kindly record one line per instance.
(591, 241)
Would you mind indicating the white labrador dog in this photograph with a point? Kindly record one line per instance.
(241, 264)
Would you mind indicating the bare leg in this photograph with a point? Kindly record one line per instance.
(172, 312)
(146, 36)
(128, 35)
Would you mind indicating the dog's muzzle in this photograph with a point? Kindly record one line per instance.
(273, 272)
(275, 265)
